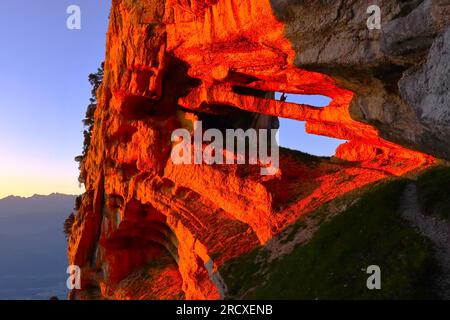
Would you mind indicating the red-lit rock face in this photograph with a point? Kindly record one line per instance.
(169, 63)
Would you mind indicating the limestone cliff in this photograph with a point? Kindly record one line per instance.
(150, 229)
(400, 73)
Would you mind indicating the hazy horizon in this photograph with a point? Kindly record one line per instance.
(40, 195)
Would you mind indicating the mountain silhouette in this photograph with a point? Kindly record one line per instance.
(33, 247)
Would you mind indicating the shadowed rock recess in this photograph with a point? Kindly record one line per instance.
(150, 229)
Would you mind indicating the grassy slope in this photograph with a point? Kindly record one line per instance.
(330, 265)
(434, 192)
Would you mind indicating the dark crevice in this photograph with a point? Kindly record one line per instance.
(240, 78)
(176, 81)
(390, 75)
(407, 6)
(222, 117)
(246, 91)
(139, 107)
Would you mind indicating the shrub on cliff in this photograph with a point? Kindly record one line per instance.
(68, 223)
(95, 79)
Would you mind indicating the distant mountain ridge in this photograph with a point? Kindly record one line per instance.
(36, 203)
(37, 195)
(32, 246)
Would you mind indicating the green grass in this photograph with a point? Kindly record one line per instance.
(434, 192)
(330, 266)
(303, 157)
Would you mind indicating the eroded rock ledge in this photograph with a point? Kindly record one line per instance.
(150, 229)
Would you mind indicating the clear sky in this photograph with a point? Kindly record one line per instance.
(292, 133)
(44, 91)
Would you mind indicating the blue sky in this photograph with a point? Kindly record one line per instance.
(292, 133)
(44, 93)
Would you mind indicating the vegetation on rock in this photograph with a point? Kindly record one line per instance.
(434, 192)
(331, 265)
(95, 79)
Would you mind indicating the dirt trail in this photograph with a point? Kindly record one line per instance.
(435, 229)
